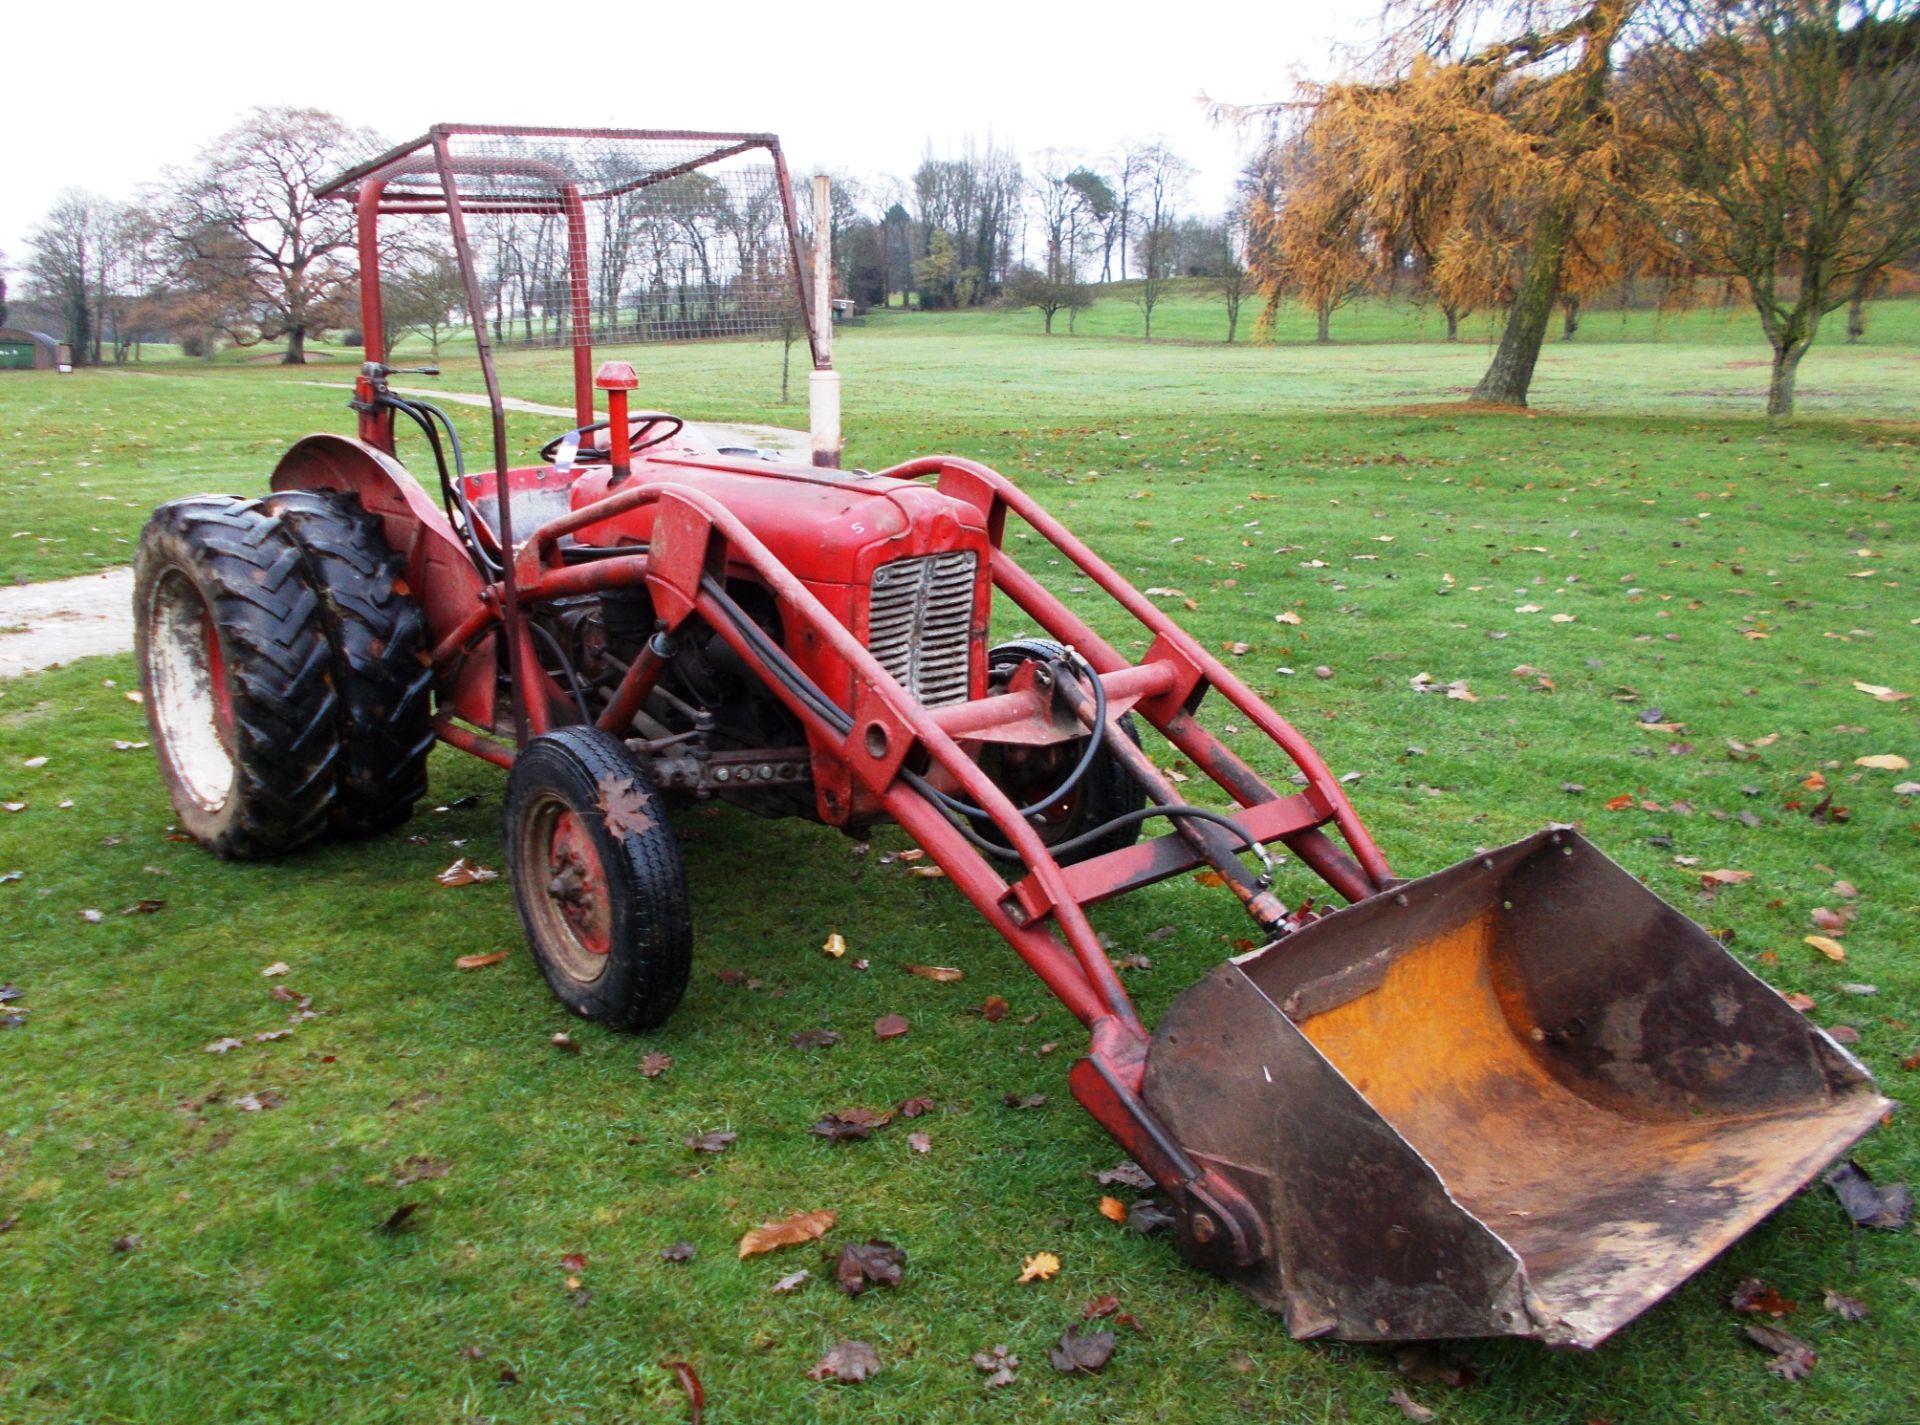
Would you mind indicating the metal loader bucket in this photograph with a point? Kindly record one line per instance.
(1523, 1096)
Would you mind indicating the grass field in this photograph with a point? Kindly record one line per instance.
(172, 1256)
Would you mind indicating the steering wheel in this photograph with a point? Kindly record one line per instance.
(640, 423)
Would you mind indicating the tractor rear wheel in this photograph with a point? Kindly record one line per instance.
(1106, 791)
(596, 875)
(236, 675)
(378, 637)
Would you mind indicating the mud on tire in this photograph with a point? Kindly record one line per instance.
(379, 642)
(237, 676)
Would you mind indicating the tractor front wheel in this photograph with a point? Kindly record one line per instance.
(596, 875)
(235, 672)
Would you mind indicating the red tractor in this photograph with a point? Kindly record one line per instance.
(1521, 1096)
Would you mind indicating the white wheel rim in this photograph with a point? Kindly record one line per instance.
(181, 692)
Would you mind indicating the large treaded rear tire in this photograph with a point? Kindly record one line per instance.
(236, 675)
(378, 637)
(596, 875)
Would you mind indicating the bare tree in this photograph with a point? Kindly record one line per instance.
(255, 185)
(423, 297)
(1784, 140)
(1160, 183)
(1231, 278)
(69, 263)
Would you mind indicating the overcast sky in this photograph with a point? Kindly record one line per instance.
(114, 93)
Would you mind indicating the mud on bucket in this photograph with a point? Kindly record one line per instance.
(1524, 1096)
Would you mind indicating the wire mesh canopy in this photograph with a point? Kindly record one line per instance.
(609, 235)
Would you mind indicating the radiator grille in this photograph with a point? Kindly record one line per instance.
(919, 621)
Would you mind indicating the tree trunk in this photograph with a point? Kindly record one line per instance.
(1325, 313)
(1569, 317)
(1786, 369)
(1453, 323)
(1233, 321)
(1857, 316)
(296, 347)
(1047, 312)
(1511, 372)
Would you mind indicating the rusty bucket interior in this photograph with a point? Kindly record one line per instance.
(1524, 1096)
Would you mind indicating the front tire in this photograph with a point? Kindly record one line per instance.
(597, 878)
(235, 671)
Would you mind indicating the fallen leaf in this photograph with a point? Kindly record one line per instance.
(1148, 1215)
(873, 1263)
(1040, 1267)
(835, 945)
(1100, 1306)
(940, 974)
(1827, 946)
(1828, 919)
(914, 1107)
(259, 1102)
(682, 1371)
(1409, 1407)
(480, 962)
(1125, 1172)
(573, 1262)
(1907, 789)
(890, 1026)
(1883, 762)
(278, 967)
(994, 1010)
(466, 873)
(1031, 1100)
(623, 806)
(1880, 693)
(1846, 1308)
(1796, 1000)
(654, 1064)
(787, 1232)
(1323, 672)
(1113, 1209)
(221, 1046)
(1286, 616)
(1428, 1363)
(791, 1282)
(713, 1141)
(679, 1252)
(1081, 1353)
(998, 1365)
(848, 1361)
(848, 1127)
(1883, 1206)
(1713, 880)
(120, 746)
(813, 1038)
(920, 1142)
(1621, 802)
(144, 907)
(1753, 1297)
(1793, 1359)
(33, 762)
(565, 1043)
(1564, 618)
(420, 1168)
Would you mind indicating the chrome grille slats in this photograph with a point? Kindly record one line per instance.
(919, 623)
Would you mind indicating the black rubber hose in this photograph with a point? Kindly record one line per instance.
(450, 485)
(804, 688)
(566, 666)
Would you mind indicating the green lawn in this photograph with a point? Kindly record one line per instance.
(173, 1256)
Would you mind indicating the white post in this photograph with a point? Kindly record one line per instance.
(823, 386)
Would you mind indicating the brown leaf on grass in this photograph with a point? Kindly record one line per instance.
(278, 967)
(890, 1026)
(1884, 1206)
(848, 1361)
(1825, 919)
(479, 962)
(1882, 694)
(920, 1142)
(1621, 802)
(994, 1010)
(690, 1383)
(713, 1141)
(1100, 1306)
(1827, 946)
(1113, 1209)
(653, 1064)
(565, 1043)
(398, 1217)
(679, 1252)
(847, 1127)
(573, 1262)
(145, 907)
(623, 806)
(1883, 762)
(835, 945)
(420, 1168)
(466, 873)
(940, 974)
(1428, 1363)
(998, 1365)
(787, 1232)
(1081, 1353)
(1753, 1297)
(914, 1107)
(1040, 1267)
(1714, 880)
(222, 1046)
(813, 1038)
(791, 1282)
(1793, 1359)
(1847, 1308)
(1796, 1000)
(1409, 1407)
(873, 1263)
(1015, 1100)
(259, 1102)
(1127, 1173)
(1210, 879)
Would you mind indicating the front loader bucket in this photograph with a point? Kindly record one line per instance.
(1523, 1097)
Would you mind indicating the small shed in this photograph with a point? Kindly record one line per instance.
(23, 350)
